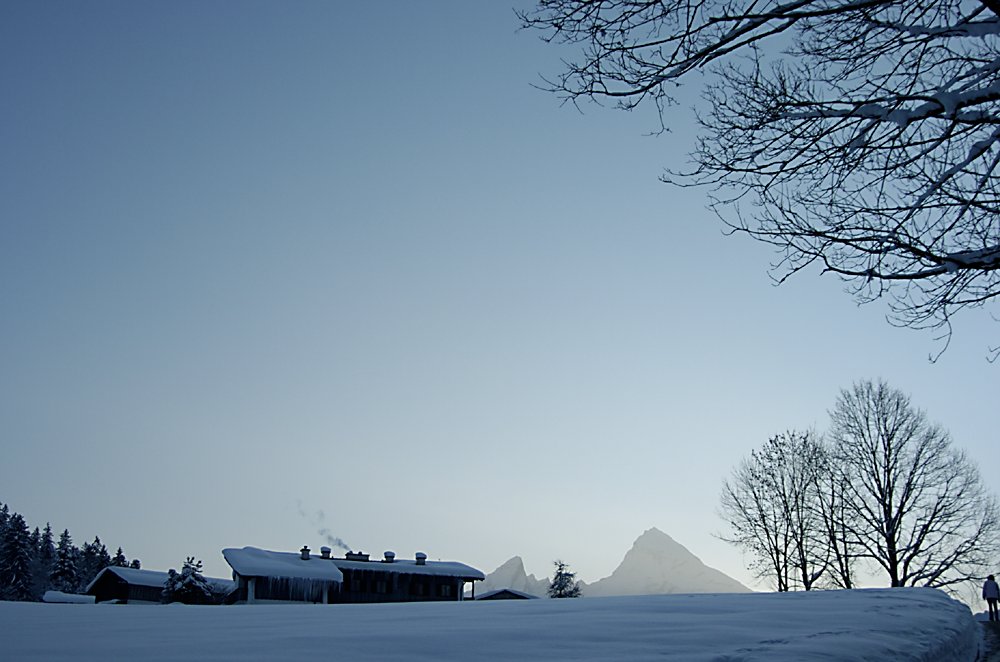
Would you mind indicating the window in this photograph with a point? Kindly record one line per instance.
(445, 590)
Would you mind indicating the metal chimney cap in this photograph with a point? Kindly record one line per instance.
(390, 556)
(305, 552)
(421, 558)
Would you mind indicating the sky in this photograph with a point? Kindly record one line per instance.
(276, 271)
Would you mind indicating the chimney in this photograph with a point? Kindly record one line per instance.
(421, 558)
(324, 551)
(390, 557)
(305, 553)
(356, 556)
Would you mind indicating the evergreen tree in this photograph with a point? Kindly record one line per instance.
(46, 548)
(45, 556)
(187, 586)
(84, 566)
(135, 564)
(94, 557)
(39, 573)
(119, 560)
(4, 517)
(101, 554)
(34, 538)
(563, 584)
(15, 560)
(168, 594)
(64, 576)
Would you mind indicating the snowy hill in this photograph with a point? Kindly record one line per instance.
(655, 565)
(874, 624)
(658, 564)
(512, 575)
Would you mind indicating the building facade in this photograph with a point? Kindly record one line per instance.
(263, 575)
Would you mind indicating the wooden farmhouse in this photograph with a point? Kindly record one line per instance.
(136, 586)
(266, 576)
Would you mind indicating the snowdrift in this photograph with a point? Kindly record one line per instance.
(874, 624)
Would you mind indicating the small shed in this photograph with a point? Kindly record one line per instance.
(137, 586)
(266, 576)
(506, 594)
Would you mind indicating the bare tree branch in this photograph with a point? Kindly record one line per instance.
(862, 135)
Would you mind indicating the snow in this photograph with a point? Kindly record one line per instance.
(254, 562)
(986, 256)
(978, 29)
(945, 103)
(871, 624)
(68, 598)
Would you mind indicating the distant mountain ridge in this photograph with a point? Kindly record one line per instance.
(511, 574)
(656, 564)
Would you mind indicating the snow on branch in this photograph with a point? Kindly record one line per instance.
(938, 104)
(976, 29)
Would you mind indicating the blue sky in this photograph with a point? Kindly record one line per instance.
(260, 258)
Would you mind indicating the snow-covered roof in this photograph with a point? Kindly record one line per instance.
(152, 578)
(411, 567)
(254, 562)
(520, 594)
(69, 598)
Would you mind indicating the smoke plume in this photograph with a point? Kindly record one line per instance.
(318, 520)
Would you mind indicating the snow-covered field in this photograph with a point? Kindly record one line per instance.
(876, 624)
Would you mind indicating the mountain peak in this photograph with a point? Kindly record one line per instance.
(654, 538)
(653, 533)
(659, 564)
(514, 563)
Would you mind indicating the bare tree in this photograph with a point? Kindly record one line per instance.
(913, 504)
(756, 524)
(841, 547)
(771, 506)
(859, 135)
